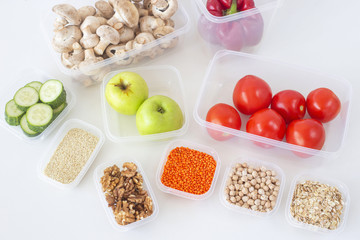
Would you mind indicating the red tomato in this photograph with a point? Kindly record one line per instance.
(224, 115)
(267, 123)
(290, 104)
(323, 105)
(308, 133)
(251, 94)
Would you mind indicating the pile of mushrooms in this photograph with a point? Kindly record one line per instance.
(112, 28)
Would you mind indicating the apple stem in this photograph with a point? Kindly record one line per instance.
(160, 110)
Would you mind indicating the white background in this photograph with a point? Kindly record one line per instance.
(322, 34)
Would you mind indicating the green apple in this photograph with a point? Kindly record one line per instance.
(159, 114)
(125, 92)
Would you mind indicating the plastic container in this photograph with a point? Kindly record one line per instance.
(191, 145)
(93, 74)
(67, 126)
(23, 78)
(161, 80)
(242, 31)
(119, 161)
(322, 180)
(221, 78)
(253, 163)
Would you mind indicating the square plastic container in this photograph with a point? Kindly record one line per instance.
(67, 126)
(191, 145)
(161, 80)
(322, 180)
(94, 73)
(99, 172)
(242, 31)
(24, 77)
(253, 163)
(221, 78)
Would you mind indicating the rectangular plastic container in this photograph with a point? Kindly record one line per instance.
(253, 163)
(221, 78)
(24, 77)
(99, 172)
(161, 80)
(68, 125)
(300, 178)
(242, 31)
(191, 145)
(93, 74)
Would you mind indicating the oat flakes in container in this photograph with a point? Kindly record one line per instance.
(71, 153)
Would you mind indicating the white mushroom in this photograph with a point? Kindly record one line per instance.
(126, 34)
(161, 32)
(150, 23)
(88, 27)
(64, 39)
(119, 52)
(67, 15)
(90, 59)
(141, 39)
(74, 58)
(169, 22)
(108, 35)
(102, 20)
(147, 5)
(125, 14)
(164, 9)
(104, 9)
(86, 11)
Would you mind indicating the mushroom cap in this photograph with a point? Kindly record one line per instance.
(164, 9)
(89, 41)
(92, 22)
(126, 34)
(114, 50)
(104, 8)
(68, 12)
(86, 11)
(128, 12)
(108, 33)
(149, 23)
(162, 31)
(64, 39)
(142, 39)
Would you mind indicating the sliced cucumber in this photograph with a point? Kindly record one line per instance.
(35, 84)
(39, 116)
(25, 127)
(25, 97)
(52, 92)
(59, 109)
(12, 113)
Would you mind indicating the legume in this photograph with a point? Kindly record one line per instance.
(189, 170)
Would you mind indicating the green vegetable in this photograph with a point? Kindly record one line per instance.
(59, 109)
(39, 116)
(35, 84)
(12, 113)
(25, 127)
(25, 97)
(52, 92)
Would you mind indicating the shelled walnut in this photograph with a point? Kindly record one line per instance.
(124, 193)
(125, 22)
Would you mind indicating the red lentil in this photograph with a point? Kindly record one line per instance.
(189, 170)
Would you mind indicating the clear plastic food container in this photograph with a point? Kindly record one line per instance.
(119, 161)
(65, 128)
(194, 146)
(242, 31)
(227, 67)
(94, 73)
(161, 80)
(254, 163)
(301, 178)
(23, 78)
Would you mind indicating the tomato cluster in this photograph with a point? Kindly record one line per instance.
(285, 116)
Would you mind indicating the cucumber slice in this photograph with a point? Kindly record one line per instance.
(59, 109)
(35, 84)
(52, 92)
(25, 97)
(39, 116)
(12, 113)
(25, 127)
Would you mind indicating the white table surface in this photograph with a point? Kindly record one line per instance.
(322, 34)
